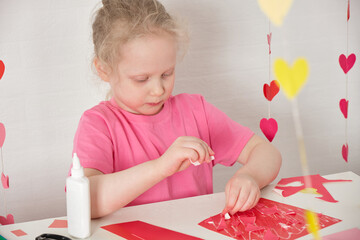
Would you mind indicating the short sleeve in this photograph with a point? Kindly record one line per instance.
(93, 144)
(227, 137)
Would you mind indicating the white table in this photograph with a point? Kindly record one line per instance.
(183, 215)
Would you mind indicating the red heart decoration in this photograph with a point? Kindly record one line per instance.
(346, 63)
(271, 91)
(2, 69)
(8, 220)
(345, 152)
(2, 134)
(344, 107)
(269, 128)
(269, 41)
(5, 181)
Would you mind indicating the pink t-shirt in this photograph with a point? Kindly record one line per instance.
(111, 139)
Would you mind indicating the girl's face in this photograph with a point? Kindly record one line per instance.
(144, 77)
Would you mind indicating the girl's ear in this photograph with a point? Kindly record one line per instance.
(103, 71)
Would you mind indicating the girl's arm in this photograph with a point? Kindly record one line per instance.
(110, 192)
(261, 164)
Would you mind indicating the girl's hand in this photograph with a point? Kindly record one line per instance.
(183, 150)
(242, 193)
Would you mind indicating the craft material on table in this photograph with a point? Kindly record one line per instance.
(19, 233)
(58, 224)
(136, 230)
(350, 234)
(267, 220)
(317, 184)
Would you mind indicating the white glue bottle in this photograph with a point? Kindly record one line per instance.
(78, 201)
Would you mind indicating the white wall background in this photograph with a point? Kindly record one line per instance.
(48, 83)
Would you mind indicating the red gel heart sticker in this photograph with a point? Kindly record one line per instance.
(269, 127)
(5, 181)
(346, 63)
(344, 107)
(2, 69)
(2, 134)
(345, 152)
(8, 220)
(271, 91)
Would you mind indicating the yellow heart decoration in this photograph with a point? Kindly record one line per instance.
(291, 78)
(276, 10)
(312, 224)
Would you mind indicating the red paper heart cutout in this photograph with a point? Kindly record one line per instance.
(2, 134)
(346, 63)
(344, 107)
(269, 41)
(269, 127)
(345, 152)
(8, 220)
(271, 91)
(5, 181)
(2, 69)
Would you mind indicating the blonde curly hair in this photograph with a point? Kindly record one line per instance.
(119, 21)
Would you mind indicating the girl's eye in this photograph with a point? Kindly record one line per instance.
(141, 79)
(164, 75)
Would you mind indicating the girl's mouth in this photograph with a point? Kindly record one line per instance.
(155, 104)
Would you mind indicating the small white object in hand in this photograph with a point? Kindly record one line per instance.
(194, 163)
(227, 216)
(197, 162)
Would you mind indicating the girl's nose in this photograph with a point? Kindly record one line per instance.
(157, 87)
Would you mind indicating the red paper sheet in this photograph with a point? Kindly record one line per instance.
(58, 224)
(317, 182)
(19, 233)
(138, 230)
(273, 220)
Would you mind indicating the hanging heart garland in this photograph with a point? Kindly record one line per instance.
(346, 63)
(2, 134)
(269, 127)
(345, 152)
(292, 78)
(344, 104)
(275, 10)
(9, 219)
(2, 69)
(270, 91)
(269, 41)
(5, 181)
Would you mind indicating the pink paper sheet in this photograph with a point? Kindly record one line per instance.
(317, 182)
(281, 221)
(350, 234)
(138, 230)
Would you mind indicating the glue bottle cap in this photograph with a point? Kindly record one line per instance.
(76, 170)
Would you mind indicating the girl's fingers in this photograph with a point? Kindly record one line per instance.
(249, 202)
(232, 198)
(241, 200)
(256, 199)
(184, 165)
(201, 149)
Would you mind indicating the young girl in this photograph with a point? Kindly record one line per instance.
(145, 145)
